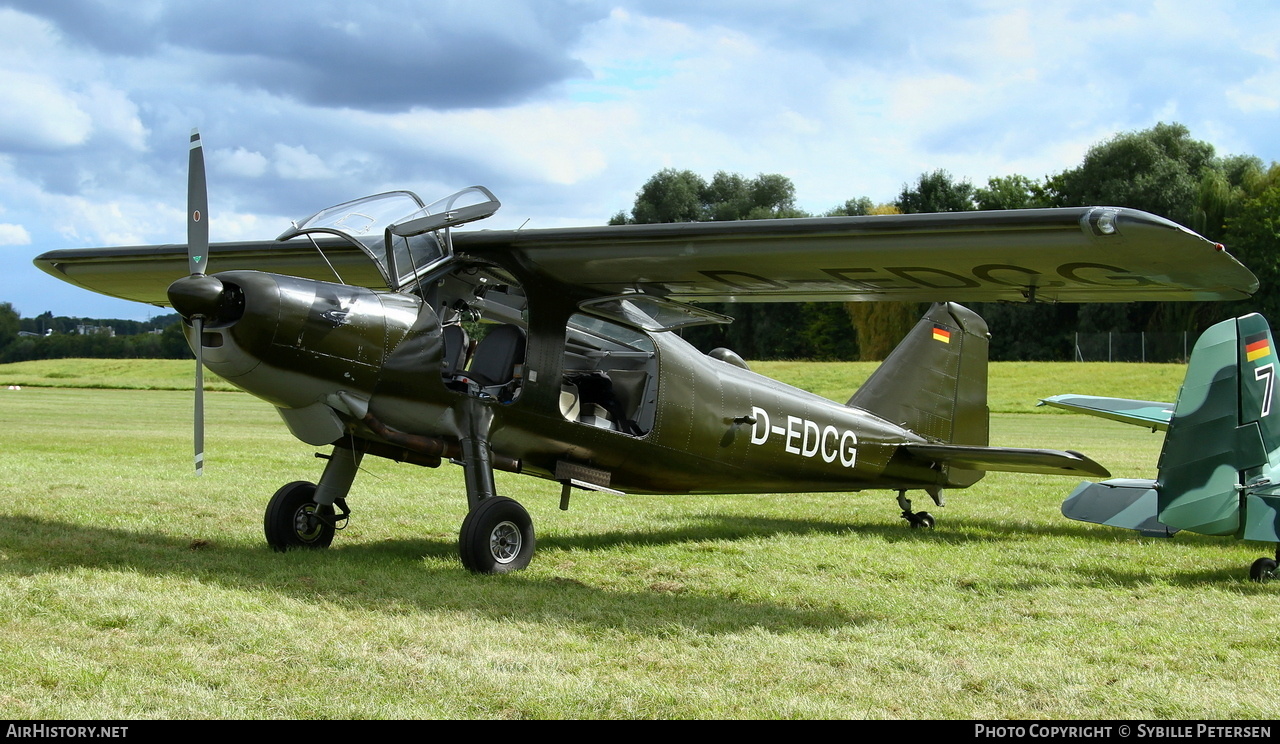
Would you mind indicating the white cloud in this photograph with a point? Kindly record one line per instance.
(1260, 93)
(39, 115)
(297, 163)
(14, 235)
(242, 162)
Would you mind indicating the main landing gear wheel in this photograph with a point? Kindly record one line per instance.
(1262, 570)
(295, 520)
(496, 537)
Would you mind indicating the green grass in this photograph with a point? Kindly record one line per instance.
(1014, 387)
(131, 589)
(127, 374)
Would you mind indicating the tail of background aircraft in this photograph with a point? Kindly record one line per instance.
(1220, 464)
(1222, 435)
(935, 382)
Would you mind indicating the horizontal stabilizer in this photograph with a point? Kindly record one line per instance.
(1148, 413)
(1008, 459)
(1131, 504)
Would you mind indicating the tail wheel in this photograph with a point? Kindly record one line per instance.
(1262, 570)
(496, 537)
(294, 520)
(921, 521)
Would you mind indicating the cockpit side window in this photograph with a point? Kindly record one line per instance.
(412, 257)
(610, 376)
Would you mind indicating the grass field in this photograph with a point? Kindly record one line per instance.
(130, 589)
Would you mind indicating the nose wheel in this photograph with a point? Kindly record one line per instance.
(294, 520)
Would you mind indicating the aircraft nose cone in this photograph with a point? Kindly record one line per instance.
(197, 294)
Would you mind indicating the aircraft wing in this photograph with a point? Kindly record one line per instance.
(1008, 459)
(143, 273)
(1151, 414)
(1085, 254)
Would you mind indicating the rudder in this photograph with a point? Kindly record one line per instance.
(935, 382)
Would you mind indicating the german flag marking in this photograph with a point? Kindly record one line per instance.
(1256, 347)
(941, 334)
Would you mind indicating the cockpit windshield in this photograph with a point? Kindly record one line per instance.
(404, 236)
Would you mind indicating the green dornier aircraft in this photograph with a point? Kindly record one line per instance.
(376, 329)
(1219, 469)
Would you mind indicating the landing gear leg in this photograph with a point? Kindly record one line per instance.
(476, 463)
(338, 476)
(917, 520)
(497, 535)
(301, 514)
(1264, 569)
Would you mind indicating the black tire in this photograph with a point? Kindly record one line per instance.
(295, 520)
(1262, 570)
(922, 520)
(496, 537)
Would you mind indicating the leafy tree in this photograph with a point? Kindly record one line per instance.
(1253, 235)
(9, 324)
(853, 208)
(1161, 170)
(1157, 170)
(936, 192)
(683, 196)
(882, 325)
(1011, 192)
(669, 196)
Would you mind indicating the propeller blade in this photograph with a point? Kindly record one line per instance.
(198, 259)
(197, 323)
(197, 208)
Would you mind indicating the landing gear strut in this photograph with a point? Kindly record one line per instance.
(497, 535)
(917, 520)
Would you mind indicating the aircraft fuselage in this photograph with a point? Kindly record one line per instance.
(333, 358)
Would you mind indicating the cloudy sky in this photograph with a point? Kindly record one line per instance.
(565, 107)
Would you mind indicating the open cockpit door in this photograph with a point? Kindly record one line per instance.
(405, 237)
(418, 242)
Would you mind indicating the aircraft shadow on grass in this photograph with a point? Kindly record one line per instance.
(40, 545)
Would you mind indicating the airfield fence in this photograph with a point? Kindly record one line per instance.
(1132, 347)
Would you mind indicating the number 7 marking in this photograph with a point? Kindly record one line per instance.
(1267, 371)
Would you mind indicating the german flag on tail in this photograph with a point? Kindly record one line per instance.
(941, 334)
(1256, 346)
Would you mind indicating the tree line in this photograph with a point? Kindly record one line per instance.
(1234, 200)
(48, 337)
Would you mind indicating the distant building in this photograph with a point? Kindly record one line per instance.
(91, 330)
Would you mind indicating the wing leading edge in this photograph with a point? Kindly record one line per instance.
(1086, 254)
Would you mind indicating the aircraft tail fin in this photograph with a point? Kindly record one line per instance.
(1222, 436)
(935, 382)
